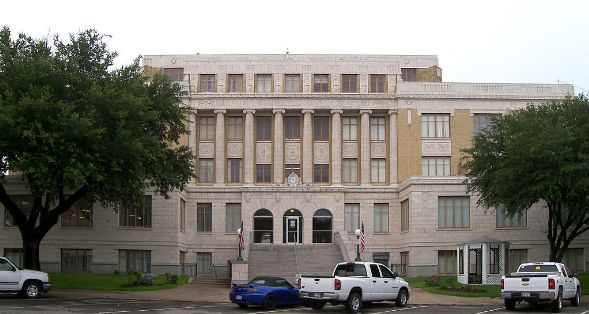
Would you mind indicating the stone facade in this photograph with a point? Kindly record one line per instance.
(325, 159)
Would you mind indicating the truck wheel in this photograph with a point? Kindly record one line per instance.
(31, 290)
(509, 304)
(556, 305)
(269, 303)
(577, 299)
(318, 305)
(354, 302)
(401, 300)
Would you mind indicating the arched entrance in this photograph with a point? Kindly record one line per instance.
(263, 226)
(293, 227)
(322, 226)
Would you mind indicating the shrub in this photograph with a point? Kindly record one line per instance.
(133, 277)
(148, 279)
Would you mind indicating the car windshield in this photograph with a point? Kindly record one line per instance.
(348, 270)
(269, 282)
(538, 268)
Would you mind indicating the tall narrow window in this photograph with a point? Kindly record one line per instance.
(349, 83)
(234, 128)
(207, 83)
(76, 261)
(409, 75)
(516, 258)
(574, 259)
(453, 212)
(404, 263)
(182, 215)
(136, 216)
(350, 170)
(446, 262)
(405, 215)
(378, 170)
(206, 128)
(204, 216)
(139, 261)
(205, 170)
(377, 129)
(235, 83)
(264, 83)
(504, 220)
(204, 263)
(232, 217)
(292, 128)
(352, 217)
(321, 83)
(321, 128)
(263, 128)
(24, 202)
(79, 215)
(321, 174)
(234, 170)
(350, 129)
(377, 84)
(175, 74)
(292, 83)
(435, 125)
(263, 173)
(381, 218)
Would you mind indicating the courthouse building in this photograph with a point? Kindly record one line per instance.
(305, 149)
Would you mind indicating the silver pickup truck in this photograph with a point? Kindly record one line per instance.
(353, 283)
(541, 282)
(29, 283)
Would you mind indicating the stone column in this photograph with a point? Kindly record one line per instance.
(278, 146)
(248, 146)
(192, 137)
(365, 147)
(336, 147)
(220, 147)
(307, 151)
(393, 147)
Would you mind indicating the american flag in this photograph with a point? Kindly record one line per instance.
(362, 238)
(241, 237)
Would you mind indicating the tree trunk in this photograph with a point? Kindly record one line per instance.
(31, 244)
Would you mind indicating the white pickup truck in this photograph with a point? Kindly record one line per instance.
(541, 282)
(352, 284)
(29, 283)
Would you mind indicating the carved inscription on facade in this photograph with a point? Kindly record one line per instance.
(292, 153)
(321, 153)
(206, 150)
(432, 147)
(378, 149)
(263, 153)
(234, 150)
(350, 150)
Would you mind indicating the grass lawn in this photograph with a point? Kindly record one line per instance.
(109, 282)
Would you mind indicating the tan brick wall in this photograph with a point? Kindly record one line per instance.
(461, 131)
(409, 148)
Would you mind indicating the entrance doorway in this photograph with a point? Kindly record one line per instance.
(293, 227)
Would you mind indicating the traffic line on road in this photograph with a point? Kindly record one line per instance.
(403, 309)
(488, 311)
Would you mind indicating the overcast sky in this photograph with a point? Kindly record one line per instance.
(476, 41)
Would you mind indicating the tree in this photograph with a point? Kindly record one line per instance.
(76, 130)
(539, 153)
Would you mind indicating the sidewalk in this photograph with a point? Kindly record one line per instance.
(211, 294)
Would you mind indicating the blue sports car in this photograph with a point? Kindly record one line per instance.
(269, 292)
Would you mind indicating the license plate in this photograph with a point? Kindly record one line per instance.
(525, 294)
(317, 295)
(238, 297)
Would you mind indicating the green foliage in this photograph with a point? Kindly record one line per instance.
(539, 153)
(74, 128)
(108, 282)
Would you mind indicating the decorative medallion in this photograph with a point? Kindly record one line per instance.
(292, 180)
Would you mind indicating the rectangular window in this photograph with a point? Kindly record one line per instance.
(263, 128)
(207, 128)
(263, 174)
(204, 263)
(321, 128)
(292, 83)
(381, 218)
(205, 170)
(405, 215)
(505, 221)
(435, 166)
(435, 125)
(76, 261)
(350, 129)
(321, 173)
(482, 122)
(234, 170)
(182, 215)
(352, 217)
(574, 260)
(377, 84)
(292, 128)
(516, 258)
(409, 75)
(139, 261)
(79, 215)
(24, 202)
(404, 263)
(235, 83)
(232, 217)
(378, 171)
(136, 216)
(377, 129)
(175, 74)
(207, 83)
(15, 255)
(349, 83)
(288, 169)
(494, 259)
(453, 212)
(350, 170)
(204, 217)
(234, 128)
(446, 262)
(263, 83)
(321, 83)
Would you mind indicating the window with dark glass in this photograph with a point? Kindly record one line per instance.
(446, 262)
(409, 75)
(321, 173)
(263, 174)
(322, 226)
(377, 84)
(207, 83)
(288, 169)
(292, 128)
(320, 83)
(321, 128)
(292, 83)
(482, 122)
(264, 128)
(204, 217)
(136, 216)
(79, 215)
(205, 170)
(76, 261)
(235, 83)
(234, 170)
(263, 226)
(24, 202)
(139, 261)
(232, 217)
(175, 74)
(349, 83)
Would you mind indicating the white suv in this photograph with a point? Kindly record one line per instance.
(29, 283)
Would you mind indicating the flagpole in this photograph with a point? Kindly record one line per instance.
(358, 259)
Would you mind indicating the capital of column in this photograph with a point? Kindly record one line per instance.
(223, 111)
(311, 111)
(393, 111)
(366, 111)
(278, 111)
(334, 111)
(246, 111)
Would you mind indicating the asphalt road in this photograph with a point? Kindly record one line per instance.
(105, 306)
